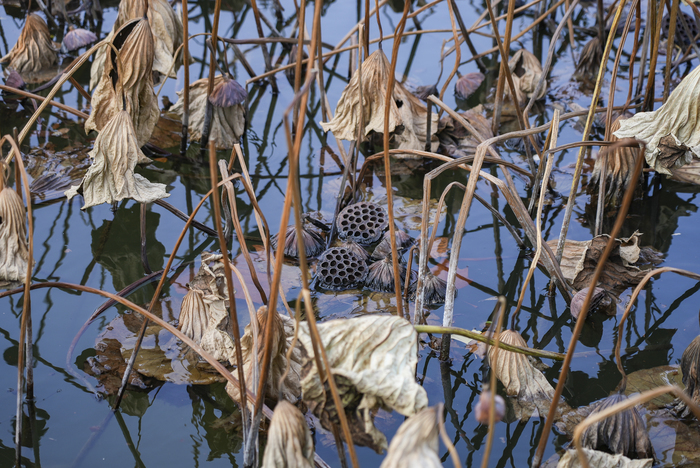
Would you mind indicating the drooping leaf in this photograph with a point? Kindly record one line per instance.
(467, 84)
(526, 70)
(601, 460)
(289, 441)
(482, 409)
(34, 50)
(690, 367)
(456, 141)
(14, 254)
(373, 359)
(416, 442)
(314, 243)
(77, 38)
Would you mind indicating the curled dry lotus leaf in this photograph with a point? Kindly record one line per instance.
(589, 61)
(532, 391)
(690, 366)
(34, 50)
(313, 242)
(166, 27)
(135, 44)
(111, 178)
(14, 255)
(193, 319)
(526, 71)
(580, 259)
(282, 335)
(227, 93)
(435, 289)
(622, 433)
(671, 133)
(467, 84)
(289, 441)
(602, 460)
(482, 409)
(619, 167)
(415, 444)
(373, 360)
(77, 38)
(600, 300)
(227, 123)
(457, 141)
(380, 276)
(407, 115)
(383, 249)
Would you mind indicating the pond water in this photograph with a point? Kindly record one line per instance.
(191, 425)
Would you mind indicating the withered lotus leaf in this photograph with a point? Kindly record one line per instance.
(193, 319)
(227, 92)
(77, 38)
(455, 140)
(415, 444)
(383, 249)
(622, 268)
(289, 441)
(111, 177)
(135, 44)
(622, 433)
(373, 360)
(282, 334)
(227, 123)
(600, 300)
(602, 460)
(435, 289)
(14, 255)
(166, 27)
(34, 49)
(467, 84)
(619, 167)
(519, 376)
(380, 276)
(482, 409)
(589, 61)
(407, 116)
(527, 72)
(676, 123)
(690, 365)
(313, 242)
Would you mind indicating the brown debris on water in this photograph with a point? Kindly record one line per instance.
(34, 50)
(456, 141)
(601, 300)
(289, 441)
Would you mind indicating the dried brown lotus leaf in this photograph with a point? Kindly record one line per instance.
(34, 50)
(227, 93)
(526, 70)
(373, 359)
(619, 167)
(677, 119)
(456, 140)
(14, 255)
(407, 115)
(415, 444)
(289, 441)
(135, 45)
(467, 84)
(602, 460)
(282, 334)
(111, 177)
(690, 366)
(313, 242)
(622, 433)
(600, 300)
(77, 38)
(227, 123)
(589, 61)
(580, 259)
(193, 319)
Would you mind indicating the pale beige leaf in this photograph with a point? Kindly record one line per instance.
(14, 256)
(193, 319)
(111, 177)
(602, 460)
(526, 71)
(289, 441)
(415, 444)
(373, 359)
(678, 119)
(34, 49)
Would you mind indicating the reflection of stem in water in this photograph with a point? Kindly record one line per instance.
(93, 438)
(497, 232)
(142, 224)
(127, 438)
(31, 409)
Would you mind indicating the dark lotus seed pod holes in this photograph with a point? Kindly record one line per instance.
(362, 222)
(339, 269)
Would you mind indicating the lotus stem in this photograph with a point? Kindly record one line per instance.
(492, 385)
(186, 85)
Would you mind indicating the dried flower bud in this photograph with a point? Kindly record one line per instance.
(483, 407)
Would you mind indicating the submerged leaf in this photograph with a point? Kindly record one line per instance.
(227, 123)
(601, 460)
(415, 444)
(373, 359)
(677, 121)
(34, 49)
(111, 177)
(407, 114)
(14, 255)
(622, 433)
(289, 441)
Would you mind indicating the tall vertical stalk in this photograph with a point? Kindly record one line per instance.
(186, 88)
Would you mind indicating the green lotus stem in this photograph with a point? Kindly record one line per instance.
(490, 341)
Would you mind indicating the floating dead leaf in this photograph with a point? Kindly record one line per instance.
(467, 84)
(373, 359)
(227, 123)
(282, 335)
(34, 50)
(483, 407)
(622, 268)
(77, 38)
(416, 441)
(532, 391)
(289, 441)
(619, 167)
(527, 71)
(649, 379)
(111, 177)
(690, 364)
(602, 460)
(14, 255)
(601, 300)
(166, 28)
(135, 44)
(457, 141)
(314, 243)
(435, 289)
(677, 119)
(407, 115)
(622, 433)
